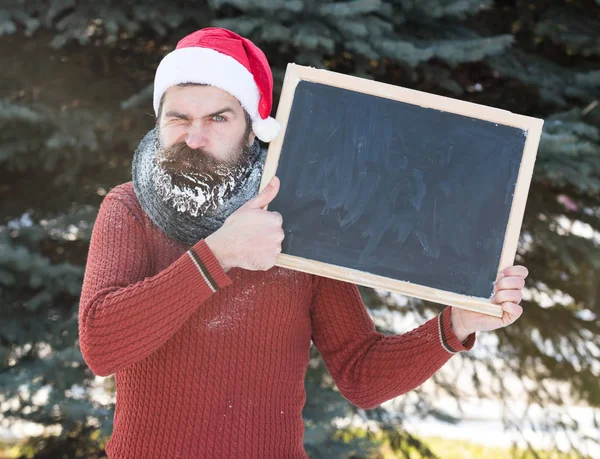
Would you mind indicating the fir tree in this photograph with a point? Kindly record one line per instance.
(75, 98)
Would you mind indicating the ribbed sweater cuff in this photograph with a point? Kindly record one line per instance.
(448, 339)
(208, 266)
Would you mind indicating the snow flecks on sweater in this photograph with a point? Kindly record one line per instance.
(234, 312)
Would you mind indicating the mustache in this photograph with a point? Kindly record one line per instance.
(180, 159)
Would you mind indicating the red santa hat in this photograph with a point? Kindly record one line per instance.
(223, 59)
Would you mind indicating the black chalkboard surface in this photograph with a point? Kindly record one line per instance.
(393, 194)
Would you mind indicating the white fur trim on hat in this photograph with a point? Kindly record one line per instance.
(205, 65)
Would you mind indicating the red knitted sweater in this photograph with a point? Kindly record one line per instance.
(212, 364)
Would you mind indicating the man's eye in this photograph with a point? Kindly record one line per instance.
(219, 118)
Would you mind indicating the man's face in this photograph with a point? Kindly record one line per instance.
(206, 118)
(204, 148)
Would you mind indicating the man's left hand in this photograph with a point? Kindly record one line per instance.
(508, 293)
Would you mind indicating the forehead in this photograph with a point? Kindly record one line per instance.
(195, 98)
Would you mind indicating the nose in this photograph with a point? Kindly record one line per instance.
(195, 137)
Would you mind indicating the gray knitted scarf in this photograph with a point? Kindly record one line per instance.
(176, 221)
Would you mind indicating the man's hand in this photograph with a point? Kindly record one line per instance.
(508, 292)
(251, 237)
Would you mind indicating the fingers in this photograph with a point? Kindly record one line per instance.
(508, 283)
(279, 234)
(513, 312)
(277, 218)
(517, 270)
(514, 296)
(265, 196)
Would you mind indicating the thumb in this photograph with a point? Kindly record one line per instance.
(265, 196)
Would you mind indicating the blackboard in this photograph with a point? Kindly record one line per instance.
(383, 190)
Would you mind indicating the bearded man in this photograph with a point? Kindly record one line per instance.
(181, 301)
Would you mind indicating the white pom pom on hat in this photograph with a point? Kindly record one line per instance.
(224, 59)
(266, 129)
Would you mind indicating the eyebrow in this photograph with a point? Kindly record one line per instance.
(184, 116)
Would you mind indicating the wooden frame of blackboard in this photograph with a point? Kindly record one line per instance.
(296, 73)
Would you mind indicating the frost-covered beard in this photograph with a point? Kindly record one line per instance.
(196, 183)
(182, 226)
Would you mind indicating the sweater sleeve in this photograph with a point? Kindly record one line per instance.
(367, 366)
(125, 312)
